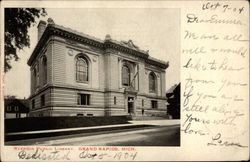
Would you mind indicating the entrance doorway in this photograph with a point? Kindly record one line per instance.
(130, 104)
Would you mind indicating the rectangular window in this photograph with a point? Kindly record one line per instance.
(153, 104)
(34, 78)
(142, 103)
(42, 100)
(37, 75)
(114, 100)
(16, 108)
(33, 104)
(83, 99)
(8, 108)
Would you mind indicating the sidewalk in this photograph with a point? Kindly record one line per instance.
(167, 122)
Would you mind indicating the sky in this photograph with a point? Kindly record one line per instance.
(156, 30)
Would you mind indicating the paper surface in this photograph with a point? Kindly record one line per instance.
(214, 54)
(215, 67)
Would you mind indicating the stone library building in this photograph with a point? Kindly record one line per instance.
(74, 74)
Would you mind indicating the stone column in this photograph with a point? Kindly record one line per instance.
(142, 78)
(163, 83)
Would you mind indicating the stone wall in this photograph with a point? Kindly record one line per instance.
(108, 96)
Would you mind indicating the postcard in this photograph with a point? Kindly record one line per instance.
(124, 80)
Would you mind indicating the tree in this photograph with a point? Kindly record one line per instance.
(174, 102)
(16, 37)
(10, 97)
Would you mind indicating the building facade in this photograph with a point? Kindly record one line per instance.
(73, 74)
(16, 108)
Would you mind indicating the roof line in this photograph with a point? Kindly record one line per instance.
(128, 45)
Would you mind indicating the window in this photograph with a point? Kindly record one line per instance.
(81, 69)
(16, 108)
(152, 82)
(37, 75)
(142, 103)
(33, 104)
(154, 104)
(125, 76)
(114, 100)
(34, 76)
(44, 64)
(8, 108)
(42, 100)
(83, 99)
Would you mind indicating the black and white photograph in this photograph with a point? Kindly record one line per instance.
(92, 76)
(124, 80)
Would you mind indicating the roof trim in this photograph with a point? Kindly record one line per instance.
(154, 61)
(53, 29)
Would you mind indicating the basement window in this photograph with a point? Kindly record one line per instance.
(154, 104)
(114, 100)
(83, 99)
(42, 100)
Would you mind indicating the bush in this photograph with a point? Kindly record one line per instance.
(44, 123)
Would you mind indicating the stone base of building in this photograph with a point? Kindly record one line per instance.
(69, 111)
(63, 101)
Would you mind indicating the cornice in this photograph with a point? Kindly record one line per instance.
(111, 44)
(70, 34)
(53, 30)
(157, 63)
(78, 38)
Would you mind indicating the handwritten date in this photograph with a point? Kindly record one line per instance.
(223, 7)
(115, 155)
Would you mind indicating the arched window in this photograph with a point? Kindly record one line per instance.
(152, 82)
(125, 76)
(44, 71)
(81, 69)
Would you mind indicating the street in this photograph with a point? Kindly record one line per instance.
(154, 136)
